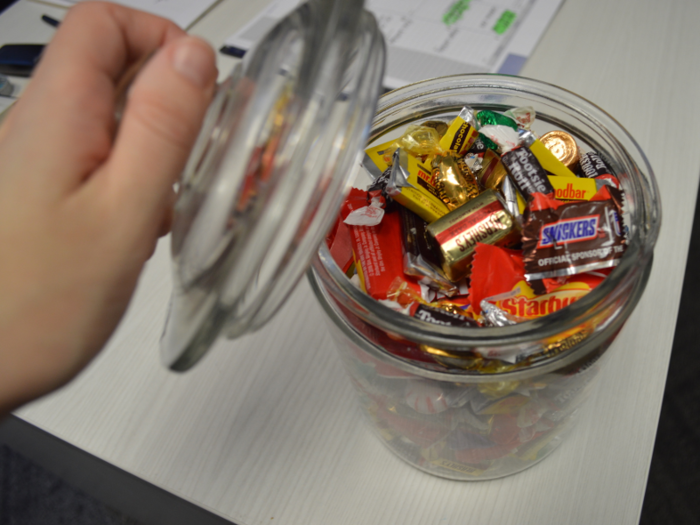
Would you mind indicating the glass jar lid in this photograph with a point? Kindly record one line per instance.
(282, 138)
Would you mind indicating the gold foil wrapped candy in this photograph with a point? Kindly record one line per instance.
(454, 180)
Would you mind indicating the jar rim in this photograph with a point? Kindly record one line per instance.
(596, 344)
(623, 282)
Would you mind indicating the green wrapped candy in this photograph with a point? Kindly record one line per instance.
(490, 144)
(490, 118)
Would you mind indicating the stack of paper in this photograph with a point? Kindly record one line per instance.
(432, 38)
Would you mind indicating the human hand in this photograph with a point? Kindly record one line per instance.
(82, 203)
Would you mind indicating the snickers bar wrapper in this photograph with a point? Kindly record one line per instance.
(575, 237)
(483, 219)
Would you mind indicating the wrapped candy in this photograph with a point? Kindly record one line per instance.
(461, 133)
(412, 185)
(519, 230)
(563, 146)
(570, 238)
(454, 180)
(483, 219)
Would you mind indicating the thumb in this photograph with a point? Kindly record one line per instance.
(161, 120)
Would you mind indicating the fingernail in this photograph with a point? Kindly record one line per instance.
(193, 60)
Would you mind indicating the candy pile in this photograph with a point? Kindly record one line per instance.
(464, 430)
(477, 222)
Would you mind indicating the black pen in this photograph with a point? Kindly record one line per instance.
(50, 21)
(232, 51)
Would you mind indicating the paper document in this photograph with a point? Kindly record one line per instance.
(182, 12)
(432, 38)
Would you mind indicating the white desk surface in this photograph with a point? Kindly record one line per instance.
(266, 428)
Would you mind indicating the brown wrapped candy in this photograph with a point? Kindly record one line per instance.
(562, 239)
